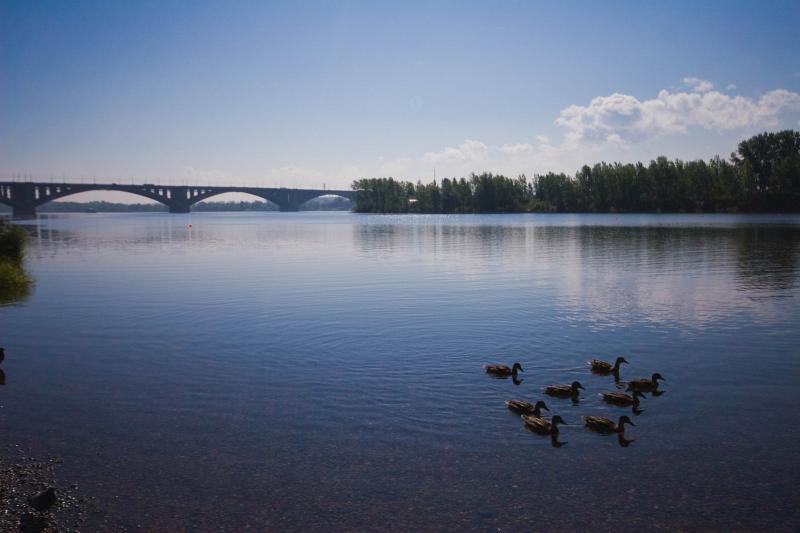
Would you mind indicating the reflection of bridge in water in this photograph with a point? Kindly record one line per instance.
(25, 197)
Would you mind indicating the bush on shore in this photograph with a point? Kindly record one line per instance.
(14, 282)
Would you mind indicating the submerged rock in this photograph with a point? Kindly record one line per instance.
(44, 500)
(32, 523)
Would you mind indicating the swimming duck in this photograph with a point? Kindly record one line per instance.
(620, 398)
(503, 370)
(521, 407)
(543, 426)
(604, 367)
(645, 385)
(602, 424)
(564, 391)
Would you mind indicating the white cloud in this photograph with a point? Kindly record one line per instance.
(395, 167)
(731, 87)
(516, 149)
(613, 127)
(697, 85)
(626, 118)
(469, 150)
(349, 172)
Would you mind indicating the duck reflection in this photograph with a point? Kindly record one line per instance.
(2, 377)
(555, 443)
(516, 380)
(623, 441)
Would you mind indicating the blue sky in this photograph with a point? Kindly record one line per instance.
(301, 94)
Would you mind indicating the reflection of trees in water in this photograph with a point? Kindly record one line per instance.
(691, 274)
(767, 257)
(477, 240)
(763, 257)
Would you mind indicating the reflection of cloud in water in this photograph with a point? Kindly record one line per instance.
(606, 275)
(617, 271)
(691, 276)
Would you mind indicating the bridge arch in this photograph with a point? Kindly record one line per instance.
(116, 196)
(44, 193)
(25, 197)
(329, 194)
(215, 194)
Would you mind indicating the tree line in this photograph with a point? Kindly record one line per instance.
(762, 175)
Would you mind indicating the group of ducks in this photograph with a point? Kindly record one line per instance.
(535, 422)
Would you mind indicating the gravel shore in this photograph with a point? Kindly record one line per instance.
(22, 477)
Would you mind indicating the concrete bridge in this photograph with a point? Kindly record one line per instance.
(25, 197)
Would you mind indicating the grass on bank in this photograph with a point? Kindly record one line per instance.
(14, 282)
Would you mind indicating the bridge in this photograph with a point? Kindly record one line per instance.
(25, 197)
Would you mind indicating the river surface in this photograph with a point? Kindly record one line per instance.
(323, 371)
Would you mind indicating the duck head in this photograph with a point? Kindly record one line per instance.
(541, 405)
(517, 367)
(658, 376)
(621, 360)
(557, 420)
(575, 386)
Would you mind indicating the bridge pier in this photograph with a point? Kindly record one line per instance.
(23, 200)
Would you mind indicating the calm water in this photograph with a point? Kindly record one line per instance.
(322, 371)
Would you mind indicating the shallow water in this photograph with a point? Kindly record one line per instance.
(322, 371)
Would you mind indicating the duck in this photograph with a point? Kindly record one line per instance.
(602, 424)
(645, 385)
(620, 398)
(521, 407)
(543, 426)
(564, 391)
(504, 370)
(604, 367)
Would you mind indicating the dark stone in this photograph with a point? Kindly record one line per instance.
(44, 500)
(31, 523)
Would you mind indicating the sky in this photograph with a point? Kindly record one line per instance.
(312, 94)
